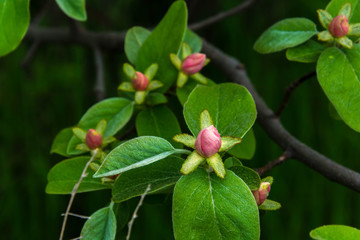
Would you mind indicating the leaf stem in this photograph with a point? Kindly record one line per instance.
(73, 193)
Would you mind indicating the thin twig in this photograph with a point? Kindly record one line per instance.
(100, 79)
(130, 224)
(270, 165)
(73, 192)
(78, 238)
(76, 215)
(290, 90)
(31, 54)
(221, 16)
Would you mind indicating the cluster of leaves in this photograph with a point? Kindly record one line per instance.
(204, 205)
(337, 58)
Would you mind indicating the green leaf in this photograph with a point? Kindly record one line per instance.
(158, 121)
(116, 111)
(61, 141)
(335, 5)
(154, 99)
(166, 38)
(193, 40)
(160, 175)
(207, 207)
(100, 226)
(134, 39)
(135, 153)
(335, 232)
(249, 176)
(246, 149)
(338, 73)
(64, 175)
(230, 105)
(14, 22)
(306, 53)
(270, 205)
(73, 8)
(231, 162)
(184, 92)
(285, 34)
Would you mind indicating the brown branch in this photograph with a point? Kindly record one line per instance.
(31, 54)
(270, 165)
(236, 73)
(275, 130)
(221, 16)
(100, 79)
(73, 193)
(290, 90)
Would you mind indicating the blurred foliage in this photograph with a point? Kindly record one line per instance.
(57, 87)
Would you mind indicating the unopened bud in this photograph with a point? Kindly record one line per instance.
(193, 63)
(208, 141)
(93, 139)
(140, 81)
(339, 26)
(262, 193)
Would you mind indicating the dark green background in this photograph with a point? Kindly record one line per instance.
(57, 87)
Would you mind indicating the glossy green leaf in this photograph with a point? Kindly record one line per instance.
(166, 38)
(73, 8)
(100, 226)
(14, 22)
(338, 73)
(231, 162)
(61, 141)
(135, 153)
(116, 111)
(335, 232)
(184, 92)
(158, 121)
(154, 99)
(285, 34)
(246, 149)
(335, 5)
(160, 175)
(231, 107)
(64, 175)
(134, 39)
(193, 40)
(249, 176)
(306, 53)
(207, 207)
(270, 205)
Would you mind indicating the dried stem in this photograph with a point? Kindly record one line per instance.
(73, 192)
(76, 215)
(290, 90)
(130, 224)
(272, 164)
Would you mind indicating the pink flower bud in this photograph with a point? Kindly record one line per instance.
(193, 63)
(208, 141)
(93, 139)
(339, 26)
(140, 81)
(262, 193)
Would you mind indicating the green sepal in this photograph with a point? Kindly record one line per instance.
(268, 179)
(79, 133)
(325, 36)
(154, 99)
(199, 78)
(94, 166)
(228, 142)
(191, 163)
(155, 84)
(207, 61)
(185, 50)
(217, 164)
(345, 42)
(140, 97)
(129, 70)
(151, 71)
(82, 147)
(270, 205)
(205, 119)
(126, 87)
(185, 139)
(354, 29)
(106, 141)
(324, 18)
(175, 60)
(182, 79)
(345, 10)
(105, 180)
(101, 126)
